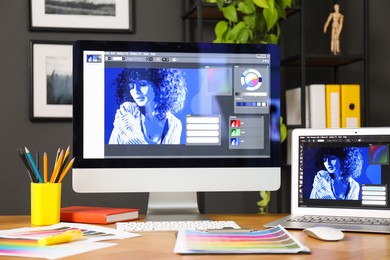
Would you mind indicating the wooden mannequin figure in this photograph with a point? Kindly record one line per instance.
(337, 20)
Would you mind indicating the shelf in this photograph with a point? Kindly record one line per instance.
(317, 60)
(293, 10)
(200, 11)
(209, 12)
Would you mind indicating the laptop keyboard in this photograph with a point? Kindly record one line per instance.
(341, 220)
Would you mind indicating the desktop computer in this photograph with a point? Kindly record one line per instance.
(174, 119)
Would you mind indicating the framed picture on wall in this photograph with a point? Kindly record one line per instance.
(51, 77)
(82, 15)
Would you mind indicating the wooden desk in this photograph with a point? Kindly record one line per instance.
(159, 245)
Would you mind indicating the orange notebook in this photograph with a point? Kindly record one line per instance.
(97, 215)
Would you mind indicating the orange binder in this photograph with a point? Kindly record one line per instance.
(332, 105)
(350, 105)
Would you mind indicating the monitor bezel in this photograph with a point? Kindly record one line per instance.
(80, 46)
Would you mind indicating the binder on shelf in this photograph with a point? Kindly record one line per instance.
(293, 107)
(332, 105)
(350, 105)
(317, 105)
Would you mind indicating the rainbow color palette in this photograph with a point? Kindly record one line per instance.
(30, 248)
(273, 240)
(23, 241)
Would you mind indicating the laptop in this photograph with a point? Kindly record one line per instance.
(340, 178)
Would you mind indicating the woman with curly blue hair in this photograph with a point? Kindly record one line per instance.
(149, 99)
(336, 180)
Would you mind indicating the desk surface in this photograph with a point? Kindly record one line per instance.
(159, 245)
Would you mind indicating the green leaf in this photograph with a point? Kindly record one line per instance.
(261, 3)
(230, 13)
(278, 30)
(287, 3)
(250, 21)
(220, 4)
(243, 35)
(236, 30)
(281, 11)
(220, 29)
(271, 4)
(272, 38)
(246, 7)
(260, 24)
(271, 17)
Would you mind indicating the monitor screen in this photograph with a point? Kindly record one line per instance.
(175, 117)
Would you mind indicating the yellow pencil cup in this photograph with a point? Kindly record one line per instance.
(45, 203)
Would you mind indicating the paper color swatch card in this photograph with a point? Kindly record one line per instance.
(275, 240)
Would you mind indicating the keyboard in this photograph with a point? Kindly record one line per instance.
(151, 226)
(341, 220)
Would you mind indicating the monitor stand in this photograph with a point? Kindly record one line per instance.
(173, 206)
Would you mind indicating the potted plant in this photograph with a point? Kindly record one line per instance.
(252, 21)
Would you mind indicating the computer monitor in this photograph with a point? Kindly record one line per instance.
(174, 119)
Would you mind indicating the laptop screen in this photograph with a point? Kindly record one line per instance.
(343, 171)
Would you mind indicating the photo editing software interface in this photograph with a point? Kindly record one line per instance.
(344, 171)
(178, 105)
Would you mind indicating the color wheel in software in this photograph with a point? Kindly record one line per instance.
(251, 79)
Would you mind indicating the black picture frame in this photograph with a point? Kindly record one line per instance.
(77, 15)
(51, 77)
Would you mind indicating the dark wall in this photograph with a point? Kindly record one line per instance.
(379, 42)
(155, 20)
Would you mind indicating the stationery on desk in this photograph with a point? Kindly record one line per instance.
(45, 189)
(98, 215)
(275, 240)
(52, 242)
(61, 166)
(65, 237)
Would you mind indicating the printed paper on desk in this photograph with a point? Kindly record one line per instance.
(30, 248)
(92, 233)
(276, 240)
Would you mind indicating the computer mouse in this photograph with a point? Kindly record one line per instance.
(324, 233)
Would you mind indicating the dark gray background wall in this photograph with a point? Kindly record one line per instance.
(155, 20)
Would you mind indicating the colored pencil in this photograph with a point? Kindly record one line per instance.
(57, 167)
(57, 154)
(45, 167)
(64, 163)
(61, 166)
(37, 159)
(29, 170)
(63, 173)
(32, 163)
